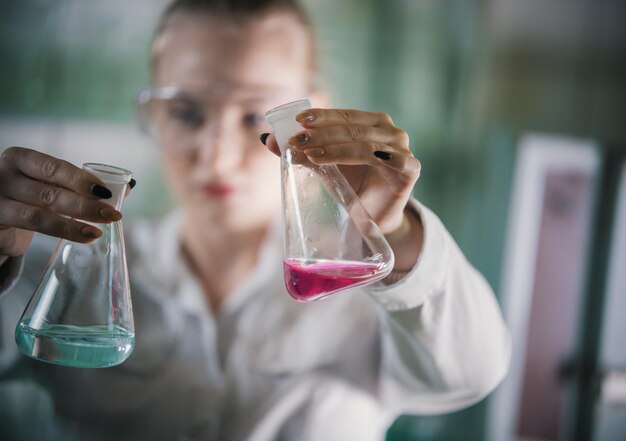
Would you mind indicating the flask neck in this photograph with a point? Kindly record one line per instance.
(119, 191)
(116, 180)
(284, 124)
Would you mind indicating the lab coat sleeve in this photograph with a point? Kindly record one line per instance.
(10, 272)
(444, 343)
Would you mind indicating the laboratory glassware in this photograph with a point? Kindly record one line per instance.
(81, 313)
(330, 242)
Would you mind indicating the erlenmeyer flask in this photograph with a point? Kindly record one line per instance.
(330, 241)
(81, 313)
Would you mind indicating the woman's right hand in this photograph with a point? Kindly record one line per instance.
(41, 193)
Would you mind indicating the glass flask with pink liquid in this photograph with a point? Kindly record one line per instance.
(331, 244)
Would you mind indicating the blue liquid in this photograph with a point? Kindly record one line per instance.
(76, 346)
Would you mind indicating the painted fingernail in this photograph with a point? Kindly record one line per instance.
(101, 192)
(263, 137)
(305, 117)
(385, 156)
(303, 138)
(132, 183)
(109, 213)
(315, 152)
(90, 232)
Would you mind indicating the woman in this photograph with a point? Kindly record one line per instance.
(221, 351)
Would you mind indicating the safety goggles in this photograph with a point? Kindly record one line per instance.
(176, 117)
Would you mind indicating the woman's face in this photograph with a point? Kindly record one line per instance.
(227, 75)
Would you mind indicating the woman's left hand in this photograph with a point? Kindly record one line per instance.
(371, 152)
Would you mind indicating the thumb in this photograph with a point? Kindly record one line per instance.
(270, 142)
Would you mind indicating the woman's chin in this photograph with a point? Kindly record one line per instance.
(223, 217)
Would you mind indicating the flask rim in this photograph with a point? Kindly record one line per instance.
(108, 173)
(291, 108)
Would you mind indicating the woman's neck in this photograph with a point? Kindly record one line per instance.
(221, 259)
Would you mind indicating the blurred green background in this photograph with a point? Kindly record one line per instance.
(465, 78)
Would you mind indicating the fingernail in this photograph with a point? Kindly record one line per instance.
(101, 192)
(90, 232)
(385, 156)
(303, 138)
(109, 213)
(315, 152)
(305, 117)
(132, 183)
(263, 137)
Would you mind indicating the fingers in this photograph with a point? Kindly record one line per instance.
(41, 193)
(46, 168)
(372, 154)
(269, 141)
(14, 242)
(130, 186)
(40, 219)
(386, 147)
(330, 117)
(349, 133)
(352, 137)
(406, 164)
(60, 200)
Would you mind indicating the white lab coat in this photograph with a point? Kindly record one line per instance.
(267, 367)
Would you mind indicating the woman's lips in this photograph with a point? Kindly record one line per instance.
(218, 189)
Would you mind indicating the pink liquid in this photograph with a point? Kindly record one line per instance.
(312, 280)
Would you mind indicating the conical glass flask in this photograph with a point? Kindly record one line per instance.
(81, 313)
(331, 244)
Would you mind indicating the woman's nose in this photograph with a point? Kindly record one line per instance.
(218, 147)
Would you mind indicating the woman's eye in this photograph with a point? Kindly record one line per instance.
(188, 116)
(252, 119)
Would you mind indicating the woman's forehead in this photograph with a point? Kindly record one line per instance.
(225, 92)
(203, 49)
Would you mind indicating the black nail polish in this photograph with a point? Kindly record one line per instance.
(385, 156)
(263, 137)
(132, 183)
(101, 192)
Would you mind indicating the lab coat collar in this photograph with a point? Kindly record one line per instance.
(187, 290)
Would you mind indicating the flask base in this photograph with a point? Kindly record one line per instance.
(76, 346)
(307, 280)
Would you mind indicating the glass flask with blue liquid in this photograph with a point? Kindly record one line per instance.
(81, 313)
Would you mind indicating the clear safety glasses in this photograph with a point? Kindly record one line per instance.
(176, 118)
